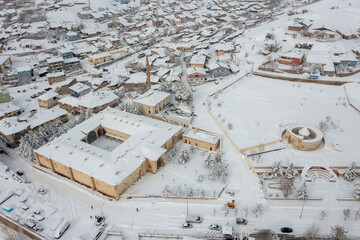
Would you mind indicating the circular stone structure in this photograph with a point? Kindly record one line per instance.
(303, 137)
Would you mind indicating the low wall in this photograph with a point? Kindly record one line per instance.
(325, 82)
(9, 223)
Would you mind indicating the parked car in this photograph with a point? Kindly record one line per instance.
(186, 225)
(99, 220)
(42, 191)
(241, 221)
(193, 219)
(59, 231)
(215, 227)
(19, 172)
(230, 193)
(286, 230)
(216, 82)
(30, 224)
(141, 55)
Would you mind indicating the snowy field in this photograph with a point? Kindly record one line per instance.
(258, 107)
(180, 176)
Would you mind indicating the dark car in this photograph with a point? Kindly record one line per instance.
(141, 55)
(186, 225)
(241, 221)
(286, 230)
(20, 173)
(215, 227)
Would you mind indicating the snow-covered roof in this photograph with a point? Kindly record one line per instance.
(48, 95)
(100, 55)
(79, 87)
(195, 70)
(46, 115)
(147, 135)
(92, 99)
(55, 60)
(3, 59)
(139, 77)
(201, 135)
(55, 74)
(11, 125)
(151, 98)
(8, 108)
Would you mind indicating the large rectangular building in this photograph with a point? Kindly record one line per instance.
(83, 154)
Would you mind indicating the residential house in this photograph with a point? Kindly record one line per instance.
(198, 61)
(196, 75)
(100, 58)
(79, 89)
(72, 36)
(48, 100)
(55, 64)
(65, 86)
(5, 63)
(55, 77)
(219, 70)
(65, 53)
(25, 73)
(291, 58)
(94, 101)
(11, 130)
(8, 109)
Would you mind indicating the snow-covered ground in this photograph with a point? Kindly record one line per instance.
(255, 106)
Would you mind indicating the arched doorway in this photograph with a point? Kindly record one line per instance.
(91, 137)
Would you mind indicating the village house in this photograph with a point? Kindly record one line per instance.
(198, 61)
(65, 53)
(48, 100)
(55, 64)
(152, 102)
(79, 89)
(196, 75)
(25, 73)
(93, 101)
(219, 70)
(55, 77)
(291, 58)
(100, 58)
(65, 86)
(72, 36)
(5, 63)
(136, 80)
(8, 109)
(11, 130)
(201, 138)
(143, 143)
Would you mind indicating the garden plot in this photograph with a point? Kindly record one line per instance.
(257, 108)
(178, 178)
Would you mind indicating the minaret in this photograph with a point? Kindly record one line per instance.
(148, 72)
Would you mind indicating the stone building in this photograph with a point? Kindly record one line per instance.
(78, 155)
(55, 77)
(201, 138)
(48, 100)
(100, 58)
(152, 102)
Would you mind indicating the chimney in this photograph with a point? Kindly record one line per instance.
(148, 72)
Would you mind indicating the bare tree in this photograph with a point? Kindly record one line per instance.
(286, 186)
(323, 214)
(312, 232)
(346, 213)
(338, 233)
(258, 210)
(265, 234)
